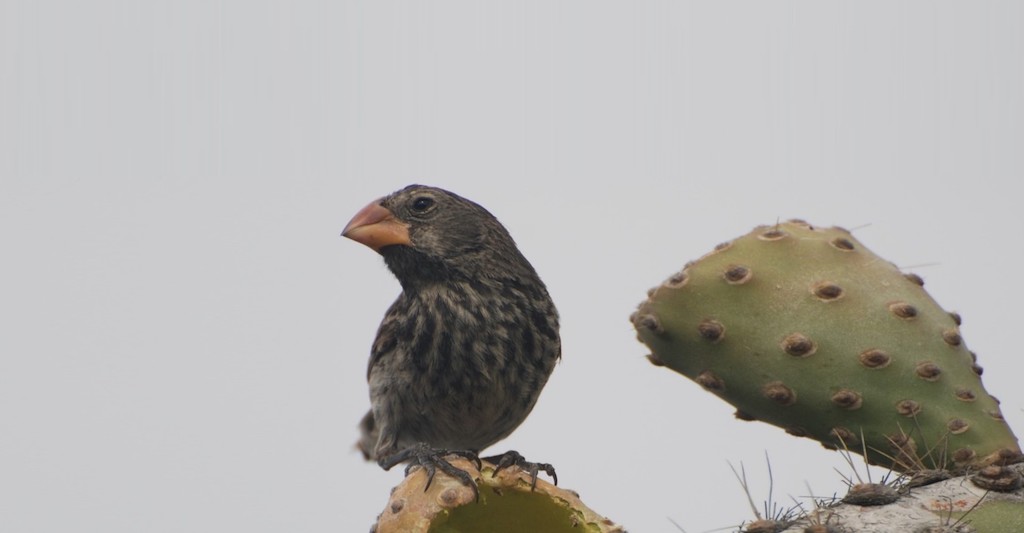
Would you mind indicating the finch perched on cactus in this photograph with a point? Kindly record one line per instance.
(463, 353)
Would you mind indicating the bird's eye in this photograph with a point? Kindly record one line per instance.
(422, 204)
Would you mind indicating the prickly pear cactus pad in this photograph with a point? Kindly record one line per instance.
(805, 328)
(507, 504)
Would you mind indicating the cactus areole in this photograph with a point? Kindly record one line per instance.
(805, 328)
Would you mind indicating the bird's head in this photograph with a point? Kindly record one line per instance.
(426, 233)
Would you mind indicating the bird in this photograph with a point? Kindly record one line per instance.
(461, 356)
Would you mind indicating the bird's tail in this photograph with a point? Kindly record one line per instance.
(368, 436)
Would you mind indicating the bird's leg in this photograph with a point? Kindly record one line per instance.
(433, 459)
(512, 458)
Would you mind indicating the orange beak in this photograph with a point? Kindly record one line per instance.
(376, 227)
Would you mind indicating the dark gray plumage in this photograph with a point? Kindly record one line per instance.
(463, 353)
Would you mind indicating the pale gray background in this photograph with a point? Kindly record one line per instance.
(184, 335)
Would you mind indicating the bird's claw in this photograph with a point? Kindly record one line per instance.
(432, 460)
(513, 458)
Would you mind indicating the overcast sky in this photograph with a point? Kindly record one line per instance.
(184, 335)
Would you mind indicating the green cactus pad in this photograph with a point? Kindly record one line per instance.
(805, 328)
